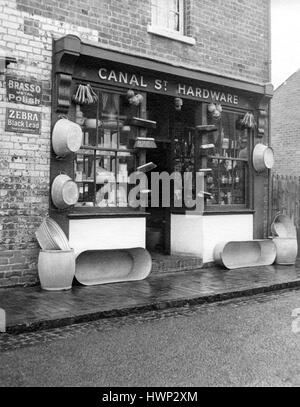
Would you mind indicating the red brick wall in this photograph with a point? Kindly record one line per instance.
(232, 39)
(285, 124)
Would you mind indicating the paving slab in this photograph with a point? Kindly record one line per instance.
(31, 308)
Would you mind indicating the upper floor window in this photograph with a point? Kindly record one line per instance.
(168, 14)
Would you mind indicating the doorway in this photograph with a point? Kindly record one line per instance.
(159, 109)
(158, 221)
(171, 123)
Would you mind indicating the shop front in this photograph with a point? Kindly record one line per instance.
(138, 115)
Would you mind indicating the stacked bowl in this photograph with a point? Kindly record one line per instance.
(51, 237)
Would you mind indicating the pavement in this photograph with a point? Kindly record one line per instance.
(28, 309)
(248, 341)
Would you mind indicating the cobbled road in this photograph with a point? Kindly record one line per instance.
(241, 342)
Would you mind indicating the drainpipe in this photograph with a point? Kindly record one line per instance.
(269, 213)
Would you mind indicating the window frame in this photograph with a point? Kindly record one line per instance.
(159, 29)
(248, 206)
(157, 6)
(249, 184)
(98, 88)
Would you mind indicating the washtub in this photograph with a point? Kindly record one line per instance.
(95, 267)
(237, 254)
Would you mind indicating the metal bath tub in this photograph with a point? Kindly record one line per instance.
(95, 267)
(237, 254)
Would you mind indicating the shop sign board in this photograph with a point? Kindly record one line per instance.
(22, 121)
(164, 84)
(159, 85)
(23, 91)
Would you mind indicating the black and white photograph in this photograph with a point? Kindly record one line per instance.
(149, 198)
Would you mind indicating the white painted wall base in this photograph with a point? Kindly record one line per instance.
(186, 235)
(224, 228)
(107, 233)
(198, 235)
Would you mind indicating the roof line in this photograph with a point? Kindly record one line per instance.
(288, 78)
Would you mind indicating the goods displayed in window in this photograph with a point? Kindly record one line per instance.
(184, 149)
(106, 159)
(197, 138)
(225, 152)
(184, 161)
(220, 150)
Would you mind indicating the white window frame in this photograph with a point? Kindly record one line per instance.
(160, 8)
(161, 26)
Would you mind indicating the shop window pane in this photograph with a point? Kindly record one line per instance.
(240, 180)
(227, 182)
(112, 179)
(231, 140)
(128, 133)
(125, 166)
(89, 112)
(226, 153)
(184, 151)
(112, 129)
(103, 178)
(84, 166)
(104, 163)
(184, 160)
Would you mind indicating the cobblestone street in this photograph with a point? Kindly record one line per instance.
(238, 342)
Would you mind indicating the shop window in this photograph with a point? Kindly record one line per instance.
(106, 159)
(168, 14)
(222, 156)
(225, 154)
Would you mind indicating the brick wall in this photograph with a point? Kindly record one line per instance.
(232, 36)
(285, 124)
(232, 39)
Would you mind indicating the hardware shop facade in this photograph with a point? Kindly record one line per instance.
(188, 97)
(194, 122)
